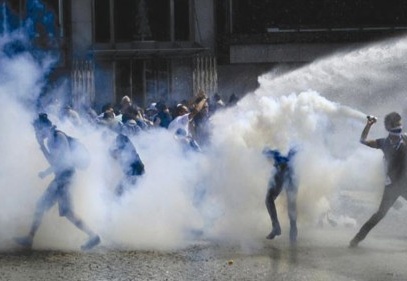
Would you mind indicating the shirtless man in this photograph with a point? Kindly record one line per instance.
(394, 150)
(58, 155)
(283, 176)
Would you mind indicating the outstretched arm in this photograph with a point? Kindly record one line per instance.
(365, 132)
(44, 150)
(46, 172)
(197, 108)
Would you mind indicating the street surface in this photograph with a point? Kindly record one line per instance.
(321, 253)
(326, 258)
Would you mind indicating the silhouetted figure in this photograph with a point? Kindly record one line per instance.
(394, 150)
(283, 177)
(59, 155)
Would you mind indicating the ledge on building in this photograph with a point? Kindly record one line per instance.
(148, 49)
(316, 34)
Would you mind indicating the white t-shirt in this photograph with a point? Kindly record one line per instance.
(180, 122)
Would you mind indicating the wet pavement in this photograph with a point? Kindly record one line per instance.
(319, 255)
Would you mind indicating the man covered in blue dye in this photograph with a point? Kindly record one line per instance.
(129, 160)
(283, 177)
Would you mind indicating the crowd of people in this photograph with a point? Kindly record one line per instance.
(188, 122)
(188, 119)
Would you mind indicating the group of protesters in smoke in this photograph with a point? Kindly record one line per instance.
(126, 122)
(189, 125)
(187, 120)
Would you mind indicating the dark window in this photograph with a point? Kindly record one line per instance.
(124, 16)
(16, 6)
(181, 20)
(52, 5)
(142, 20)
(222, 17)
(159, 17)
(12, 16)
(102, 21)
(252, 16)
(248, 16)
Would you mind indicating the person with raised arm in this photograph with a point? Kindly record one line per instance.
(394, 150)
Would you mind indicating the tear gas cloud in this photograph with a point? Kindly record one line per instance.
(320, 109)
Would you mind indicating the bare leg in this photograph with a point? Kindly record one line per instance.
(274, 190)
(271, 208)
(292, 213)
(73, 218)
(93, 240)
(47, 200)
(390, 195)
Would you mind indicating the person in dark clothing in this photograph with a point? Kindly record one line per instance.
(58, 154)
(163, 117)
(130, 162)
(394, 150)
(283, 176)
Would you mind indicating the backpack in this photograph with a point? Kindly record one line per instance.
(80, 154)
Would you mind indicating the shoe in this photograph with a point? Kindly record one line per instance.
(275, 232)
(353, 243)
(293, 234)
(26, 241)
(91, 243)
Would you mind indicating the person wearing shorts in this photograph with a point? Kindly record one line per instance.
(57, 153)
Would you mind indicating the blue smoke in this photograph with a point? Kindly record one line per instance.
(39, 21)
(36, 30)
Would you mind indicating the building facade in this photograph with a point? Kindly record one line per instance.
(149, 50)
(154, 50)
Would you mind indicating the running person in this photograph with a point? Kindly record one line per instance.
(283, 177)
(394, 150)
(58, 154)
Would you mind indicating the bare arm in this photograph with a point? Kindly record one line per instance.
(365, 132)
(55, 153)
(46, 172)
(43, 148)
(197, 108)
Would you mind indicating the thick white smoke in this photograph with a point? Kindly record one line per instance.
(183, 197)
